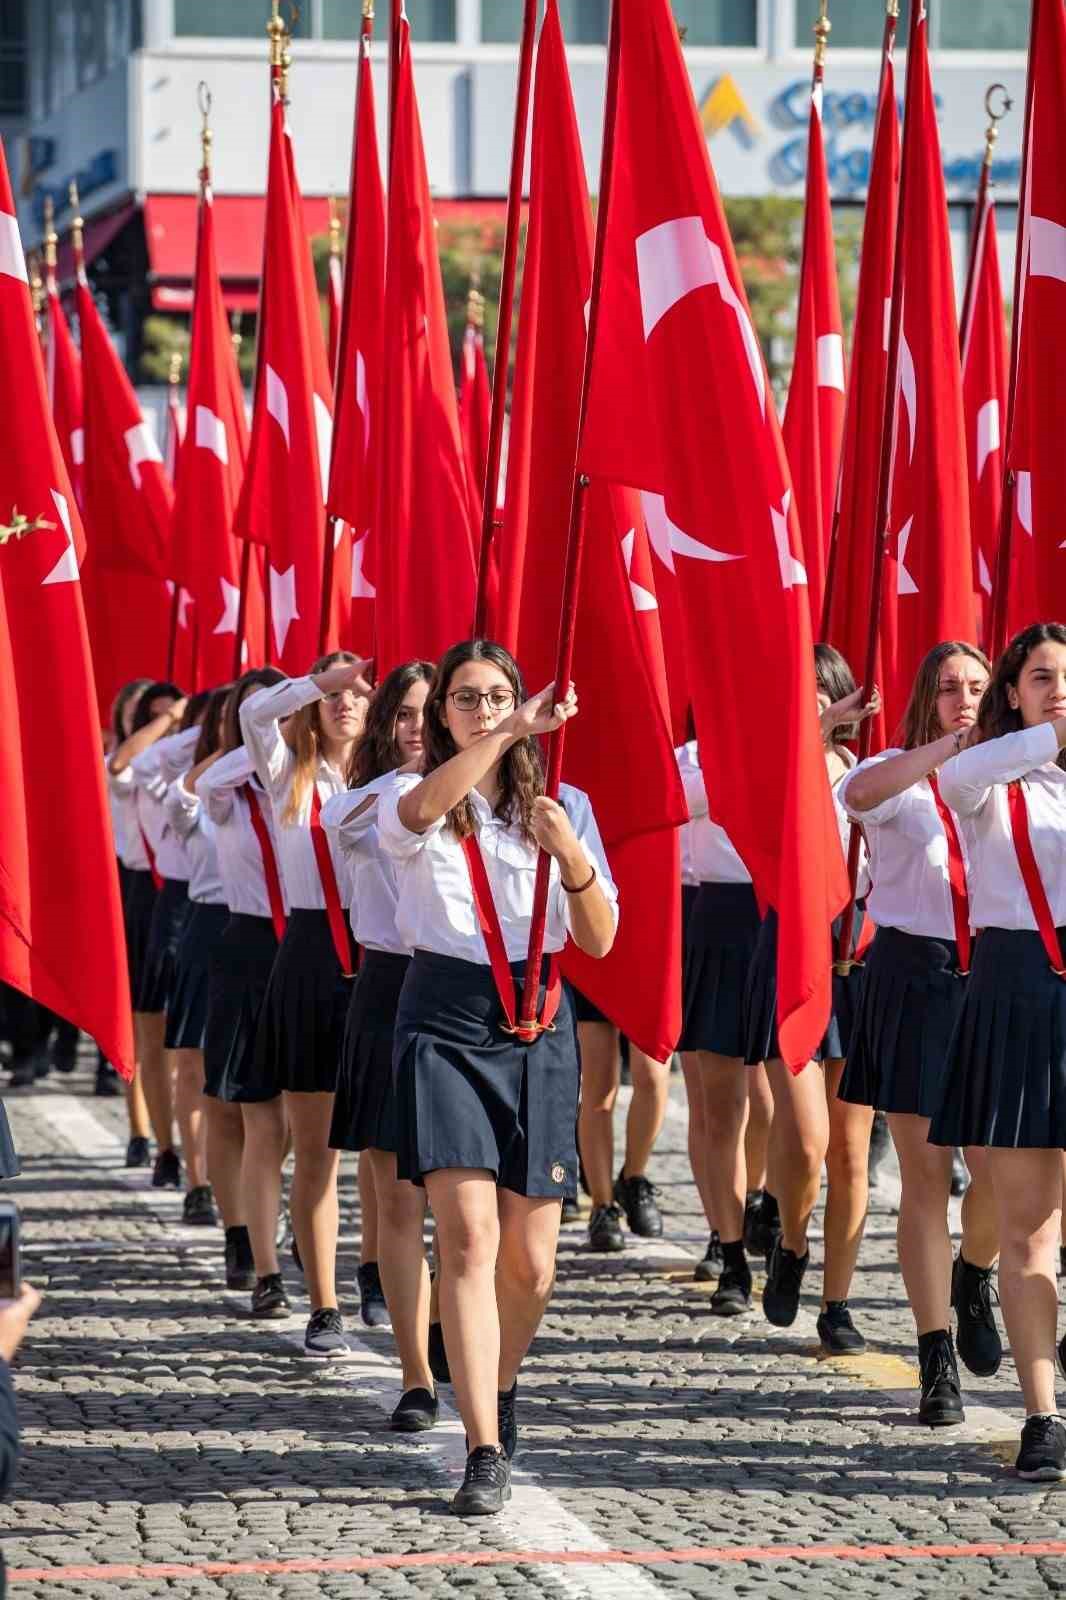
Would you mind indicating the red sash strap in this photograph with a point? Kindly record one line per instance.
(488, 918)
(270, 861)
(1034, 886)
(157, 878)
(960, 899)
(338, 925)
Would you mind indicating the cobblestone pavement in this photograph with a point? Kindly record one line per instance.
(172, 1447)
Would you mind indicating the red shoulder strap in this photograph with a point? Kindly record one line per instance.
(150, 853)
(960, 899)
(1034, 886)
(270, 860)
(338, 926)
(489, 921)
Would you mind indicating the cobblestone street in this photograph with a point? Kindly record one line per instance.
(173, 1447)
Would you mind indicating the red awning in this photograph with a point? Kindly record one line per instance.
(99, 233)
(170, 231)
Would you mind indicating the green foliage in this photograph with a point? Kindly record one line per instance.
(164, 336)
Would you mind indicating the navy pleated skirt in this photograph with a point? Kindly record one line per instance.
(138, 902)
(689, 891)
(10, 1166)
(241, 964)
(364, 1112)
(169, 914)
(912, 997)
(1005, 1081)
(187, 1006)
(469, 1095)
(722, 931)
(301, 1025)
(760, 1009)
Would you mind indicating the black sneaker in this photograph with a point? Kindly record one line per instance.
(636, 1196)
(941, 1402)
(711, 1264)
(487, 1484)
(324, 1336)
(960, 1174)
(1062, 1260)
(240, 1263)
(784, 1280)
(166, 1174)
(199, 1208)
(755, 1230)
(571, 1211)
(978, 1340)
(839, 1335)
(138, 1152)
(880, 1142)
(269, 1300)
(733, 1294)
(23, 1072)
(108, 1085)
(372, 1306)
(605, 1230)
(1042, 1457)
(438, 1356)
(506, 1420)
(416, 1412)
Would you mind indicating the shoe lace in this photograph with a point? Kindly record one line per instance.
(606, 1214)
(941, 1365)
(839, 1315)
(983, 1296)
(1041, 1430)
(483, 1464)
(327, 1320)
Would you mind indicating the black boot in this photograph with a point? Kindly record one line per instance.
(941, 1402)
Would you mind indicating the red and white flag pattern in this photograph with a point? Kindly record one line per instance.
(985, 361)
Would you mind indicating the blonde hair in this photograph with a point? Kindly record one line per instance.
(303, 735)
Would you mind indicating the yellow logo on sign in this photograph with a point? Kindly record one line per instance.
(725, 107)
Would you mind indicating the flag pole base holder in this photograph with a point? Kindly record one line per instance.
(844, 969)
(528, 1032)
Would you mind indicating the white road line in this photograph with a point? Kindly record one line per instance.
(535, 1518)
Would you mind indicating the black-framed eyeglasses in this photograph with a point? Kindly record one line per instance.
(470, 699)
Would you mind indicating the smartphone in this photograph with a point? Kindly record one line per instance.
(10, 1251)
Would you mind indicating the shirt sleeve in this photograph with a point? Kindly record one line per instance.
(261, 716)
(968, 778)
(692, 783)
(578, 808)
(146, 773)
(887, 810)
(182, 809)
(176, 753)
(121, 783)
(217, 785)
(396, 840)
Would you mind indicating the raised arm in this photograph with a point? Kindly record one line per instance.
(968, 779)
(165, 723)
(219, 781)
(590, 912)
(263, 713)
(875, 784)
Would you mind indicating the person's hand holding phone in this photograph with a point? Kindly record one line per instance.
(15, 1319)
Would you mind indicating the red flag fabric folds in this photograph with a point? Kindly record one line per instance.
(61, 933)
(681, 407)
(65, 393)
(617, 638)
(984, 394)
(475, 406)
(424, 561)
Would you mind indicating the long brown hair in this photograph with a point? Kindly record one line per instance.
(303, 734)
(921, 724)
(375, 752)
(211, 727)
(521, 770)
(128, 692)
(160, 690)
(258, 678)
(835, 679)
(995, 715)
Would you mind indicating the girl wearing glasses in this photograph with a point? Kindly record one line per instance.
(486, 1121)
(914, 990)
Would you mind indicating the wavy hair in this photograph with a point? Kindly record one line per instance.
(258, 678)
(129, 691)
(836, 679)
(375, 751)
(995, 715)
(521, 770)
(153, 691)
(303, 735)
(210, 738)
(921, 724)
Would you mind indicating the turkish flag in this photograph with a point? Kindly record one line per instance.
(65, 392)
(475, 411)
(680, 406)
(929, 566)
(358, 412)
(183, 618)
(282, 503)
(423, 556)
(61, 933)
(617, 634)
(984, 396)
(814, 418)
(850, 600)
(335, 293)
(1037, 588)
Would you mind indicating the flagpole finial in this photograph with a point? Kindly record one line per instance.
(995, 116)
(204, 100)
(51, 238)
(368, 10)
(892, 9)
(822, 29)
(276, 33)
(236, 337)
(174, 376)
(475, 306)
(33, 265)
(334, 228)
(77, 227)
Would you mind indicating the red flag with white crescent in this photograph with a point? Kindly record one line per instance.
(984, 394)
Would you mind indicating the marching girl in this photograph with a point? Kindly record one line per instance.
(246, 1124)
(157, 716)
(300, 735)
(1005, 1082)
(811, 1125)
(485, 1121)
(913, 992)
(364, 1115)
(187, 1006)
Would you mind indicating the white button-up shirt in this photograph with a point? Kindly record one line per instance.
(354, 834)
(240, 859)
(154, 770)
(122, 792)
(713, 858)
(435, 908)
(974, 785)
(908, 857)
(185, 815)
(261, 715)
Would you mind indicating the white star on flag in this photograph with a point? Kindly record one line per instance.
(905, 584)
(362, 588)
(231, 608)
(643, 599)
(793, 572)
(283, 608)
(140, 447)
(66, 568)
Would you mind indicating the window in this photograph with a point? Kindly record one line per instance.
(857, 25)
(90, 38)
(63, 78)
(718, 22)
(12, 58)
(977, 25)
(584, 21)
(232, 19)
(432, 21)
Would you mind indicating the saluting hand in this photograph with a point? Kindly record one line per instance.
(849, 710)
(347, 675)
(539, 715)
